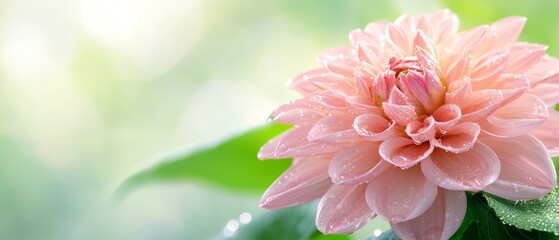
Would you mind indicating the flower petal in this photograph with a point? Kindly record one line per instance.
(527, 171)
(548, 92)
(364, 82)
(440, 221)
(343, 209)
(459, 138)
(547, 133)
(373, 127)
(424, 24)
(302, 182)
(470, 38)
(431, 66)
(421, 131)
(334, 129)
(359, 105)
(524, 56)
(294, 143)
(332, 101)
(511, 85)
(507, 30)
(421, 41)
(359, 37)
(299, 117)
(458, 90)
(445, 25)
(383, 84)
(338, 60)
(406, 23)
(357, 164)
(446, 116)
(376, 29)
(398, 97)
(401, 114)
(517, 118)
(546, 70)
(480, 104)
(436, 91)
(471, 171)
(403, 152)
(425, 88)
(397, 37)
(489, 66)
(303, 103)
(318, 80)
(458, 69)
(400, 195)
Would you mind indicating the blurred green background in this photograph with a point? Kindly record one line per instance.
(91, 89)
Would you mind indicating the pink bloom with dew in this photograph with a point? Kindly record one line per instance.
(410, 117)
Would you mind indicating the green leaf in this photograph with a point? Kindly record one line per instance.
(387, 235)
(488, 226)
(320, 236)
(231, 164)
(289, 223)
(539, 214)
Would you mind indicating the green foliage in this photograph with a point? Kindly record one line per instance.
(231, 164)
(486, 225)
(539, 214)
(289, 223)
(320, 236)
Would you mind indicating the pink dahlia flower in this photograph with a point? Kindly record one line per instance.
(410, 117)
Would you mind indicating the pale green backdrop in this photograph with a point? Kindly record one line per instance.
(90, 89)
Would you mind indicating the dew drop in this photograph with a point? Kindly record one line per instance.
(245, 218)
(231, 227)
(477, 182)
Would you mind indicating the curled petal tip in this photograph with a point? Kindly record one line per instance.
(265, 202)
(266, 152)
